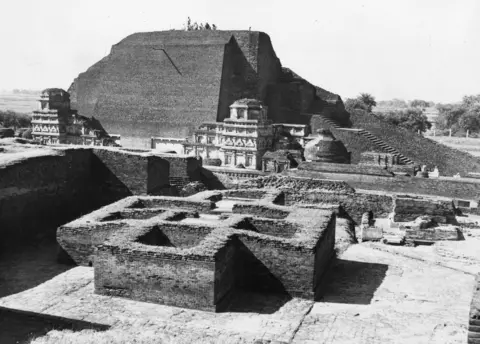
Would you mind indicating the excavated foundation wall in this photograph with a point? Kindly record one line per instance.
(300, 190)
(444, 187)
(408, 209)
(44, 188)
(355, 205)
(40, 192)
(158, 277)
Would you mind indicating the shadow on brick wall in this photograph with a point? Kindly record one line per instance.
(210, 180)
(109, 188)
(353, 282)
(257, 288)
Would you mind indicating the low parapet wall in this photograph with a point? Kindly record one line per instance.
(344, 168)
(461, 188)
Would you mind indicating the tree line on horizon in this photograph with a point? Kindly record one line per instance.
(458, 117)
(12, 119)
(410, 117)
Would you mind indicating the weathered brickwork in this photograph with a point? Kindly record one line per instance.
(344, 168)
(445, 187)
(160, 249)
(431, 235)
(167, 83)
(42, 188)
(298, 190)
(409, 208)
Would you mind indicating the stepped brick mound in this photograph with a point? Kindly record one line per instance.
(200, 253)
(167, 83)
(368, 133)
(414, 147)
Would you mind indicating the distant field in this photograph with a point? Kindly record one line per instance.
(18, 102)
(469, 145)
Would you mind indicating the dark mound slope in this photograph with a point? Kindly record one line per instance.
(166, 83)
(418, 148)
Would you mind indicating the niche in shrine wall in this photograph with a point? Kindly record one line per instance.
(240, 143)
(250, 143)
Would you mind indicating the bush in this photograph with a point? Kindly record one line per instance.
(14, 119)
(27, 134)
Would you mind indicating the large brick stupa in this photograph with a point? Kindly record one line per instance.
(167, 83)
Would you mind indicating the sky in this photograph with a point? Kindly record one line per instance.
(423, 49)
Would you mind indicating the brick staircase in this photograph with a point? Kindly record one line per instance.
(378, 142)
(387, 148)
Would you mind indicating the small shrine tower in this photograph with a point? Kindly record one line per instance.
(239, 141)
(49, 121)
(54, 122)
(247, 134)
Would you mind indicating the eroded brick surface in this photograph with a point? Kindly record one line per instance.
(178, 257)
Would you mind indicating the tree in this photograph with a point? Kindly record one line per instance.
(352, 104)
(411, 119)
(13, 119)
(460, 117)
(470, 120)
(368, 100)
(469, 101)
(449, 115)
(419, 103)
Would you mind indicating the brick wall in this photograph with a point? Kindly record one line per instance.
(301, 190)
(451, 188)
(43, 189)
(408, 209)
(41, 192)
(344, 168)
(155, 279)
(140, 90)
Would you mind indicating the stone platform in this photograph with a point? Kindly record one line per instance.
(372, 296)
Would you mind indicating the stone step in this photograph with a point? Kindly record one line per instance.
(475, 335)
(473, 340)
(385, 146)
(474, 328)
